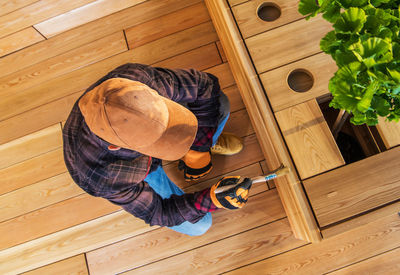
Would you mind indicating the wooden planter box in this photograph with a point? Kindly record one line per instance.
(283, 76)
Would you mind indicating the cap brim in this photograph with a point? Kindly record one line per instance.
(179, 136)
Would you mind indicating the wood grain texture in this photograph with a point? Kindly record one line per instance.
(384, 264)
(36, 12)
(12, 5)
(355, 188)
(45, 115)
(82, 15)
(271, 142)
(309, 139)
(165, 25)
(30, 146)
(88, 33)
(62, 64)
(224, 74)
(162, 243)
(268, 50)
(281, 96)
(32, 170)
(229, 253)
(251, 24)
(236, 2)
(221, 51)
(70, 242)
(389, 131)
(235, 99)
(78, 80)
(333, 253)
(53, 218)
(72, 266)
(38, 195)
(19, 40)
(239, 124)
(361, 220)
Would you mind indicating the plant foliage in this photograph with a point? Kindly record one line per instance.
(365, 44)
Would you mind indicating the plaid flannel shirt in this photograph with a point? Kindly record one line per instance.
(119, 175)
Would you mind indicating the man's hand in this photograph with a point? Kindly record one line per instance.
(234, 197)
(195, 165)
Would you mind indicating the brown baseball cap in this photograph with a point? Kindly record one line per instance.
(131, 115)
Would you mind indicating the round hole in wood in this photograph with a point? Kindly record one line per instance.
(269, 12)
(300, 80)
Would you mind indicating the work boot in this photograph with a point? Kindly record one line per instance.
(227, 144)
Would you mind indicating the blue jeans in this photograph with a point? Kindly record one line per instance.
(164, 187)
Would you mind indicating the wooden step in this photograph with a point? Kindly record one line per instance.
(390, 132)
(78, 80)
(9, 6)
(229, 253)
(162, 243)
(35, 13)
(287, 44)
(246, 15)
(19, 40)
(30, 146)
(88, 33)
(73, 265)
(165, 25)
(82, 15)
(309, 139)
(355, 188)
(320, 68)
(62, 64)
(32, 170)
(334, 253)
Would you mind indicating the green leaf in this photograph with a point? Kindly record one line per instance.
(351, 21)
(329, 41)
(349, 72)
(308, 7)
(352, 3)
(394, 74)
(365, 102)
(381, 105)
(372, 51)
(332, 12)
(344, 58)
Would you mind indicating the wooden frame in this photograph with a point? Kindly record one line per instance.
(290, 189)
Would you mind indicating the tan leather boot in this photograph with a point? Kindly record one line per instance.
(227, 144)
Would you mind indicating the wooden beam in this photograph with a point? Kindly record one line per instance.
(272, 144)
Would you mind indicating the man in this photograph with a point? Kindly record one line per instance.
(121, 128)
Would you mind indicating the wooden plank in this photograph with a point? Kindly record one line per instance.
(62, 64)
(239, 124)
(236, 2)
(229, 253)
(309, 139)
(53, 218)
(333, 253)
(32, 170)
(70, 242)
(201, 58)
(221, 51)
(321, 67)
(387, 263)
(38, 195)
(224, 75)
(12, 5)
(45, 115)
(165, 25)
(301, 39)
(235, 99)
(389, 131)
(88, 33)
(19, 40)
(30, 146)
(251, 24)
(36, 12)
(82, 15)
(78, 80)
(163, 243)
(221, 164)
(361, 220)
(355, 188)
(249, 171)
(74, 265)
(293, 198)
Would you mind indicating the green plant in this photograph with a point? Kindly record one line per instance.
(365, 44)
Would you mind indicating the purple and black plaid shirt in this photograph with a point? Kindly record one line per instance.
(119, 175)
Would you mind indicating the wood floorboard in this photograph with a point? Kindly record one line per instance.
(50, 52)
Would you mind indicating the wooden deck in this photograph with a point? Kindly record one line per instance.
(52, 50)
